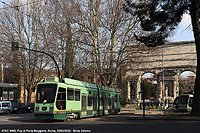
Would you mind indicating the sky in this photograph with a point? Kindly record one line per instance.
(182, 75)
(183, 31)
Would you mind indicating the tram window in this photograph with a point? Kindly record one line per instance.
(109, 102)
(61, 94)
(77, 95)
(46, 92)
(70, 94)
(183, 100)
(116, 97)
(61, 99)
(89, 100)
(190, 101)
(106, 100)
(38, 97)
(101, 99)
(43, 96)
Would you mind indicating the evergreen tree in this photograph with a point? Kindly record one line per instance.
(148, 87)
(159, 18)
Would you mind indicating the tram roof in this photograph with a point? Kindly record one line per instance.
(79, 83)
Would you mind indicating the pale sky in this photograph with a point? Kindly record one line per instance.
(184, 30)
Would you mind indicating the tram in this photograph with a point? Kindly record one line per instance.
(71, 98)
(8, 92)
(185, 102)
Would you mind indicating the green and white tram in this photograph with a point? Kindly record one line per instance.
(185, 102)
(56, 100)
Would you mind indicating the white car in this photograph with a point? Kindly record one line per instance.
(5, 107)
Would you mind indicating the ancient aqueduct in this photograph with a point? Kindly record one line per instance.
(174, 58)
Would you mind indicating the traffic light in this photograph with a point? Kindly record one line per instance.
(15, 46)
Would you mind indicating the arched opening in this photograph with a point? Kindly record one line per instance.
(150, 83)
(186, 82)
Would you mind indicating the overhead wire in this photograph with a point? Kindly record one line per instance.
(16, 7)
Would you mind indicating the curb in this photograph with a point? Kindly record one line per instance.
(157, 115)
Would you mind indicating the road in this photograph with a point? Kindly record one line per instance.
(121, 123)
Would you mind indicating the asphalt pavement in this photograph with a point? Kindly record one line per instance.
(127, 121)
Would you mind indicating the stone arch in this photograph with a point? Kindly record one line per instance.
(187, 83)
(177, 57)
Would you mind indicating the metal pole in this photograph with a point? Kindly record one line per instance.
(24, 92)
(2, 76)
(163, 77)
(143, 98)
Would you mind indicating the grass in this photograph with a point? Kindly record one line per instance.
(147, 108)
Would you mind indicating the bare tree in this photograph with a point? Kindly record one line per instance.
(25, 25)
(109, 31)
(64, 33)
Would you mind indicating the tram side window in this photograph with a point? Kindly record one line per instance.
(106, 100)
(77, 95)
(61, 94)
(70, 94)
(109, 102)
(61, 99)
(100, 101)
(116, 98)
(89, 100)
(190, 101)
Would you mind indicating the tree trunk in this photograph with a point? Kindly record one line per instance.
(69, 53)
(196, 30)
(28, 95)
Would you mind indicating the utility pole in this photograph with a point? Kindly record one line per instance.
(143, 97)
(163, 78)
(2, 75)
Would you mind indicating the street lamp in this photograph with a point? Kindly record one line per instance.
(163, 78)
(143, 96)
(15, 47)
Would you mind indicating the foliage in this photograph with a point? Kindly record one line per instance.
(148, 87)
(158, 18)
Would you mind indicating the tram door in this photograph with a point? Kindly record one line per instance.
(105, 105)
(84, 105)
(95, 105)
(113, 105)
(61, 99)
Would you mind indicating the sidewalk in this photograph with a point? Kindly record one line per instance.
(158, 115)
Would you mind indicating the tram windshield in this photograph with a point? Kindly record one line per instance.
(46, 93)
(183, 100)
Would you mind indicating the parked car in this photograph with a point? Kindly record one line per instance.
(18, 108)
(29, 107)
(5, 107)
